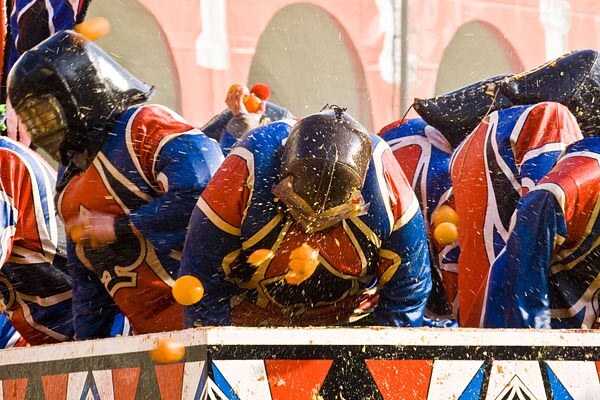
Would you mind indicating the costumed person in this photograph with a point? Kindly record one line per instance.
(549, 274)
(35, 289)
(130, 175)
(424, 156)
(247, 109)
(30, 22)
(341, 231)
(503, 158)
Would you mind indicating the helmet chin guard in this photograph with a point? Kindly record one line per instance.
(325, 161)
(68, 92)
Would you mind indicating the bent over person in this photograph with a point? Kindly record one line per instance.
(131, 174)
(549, 274)
(35, 289)
(330, 205)
(498, 163)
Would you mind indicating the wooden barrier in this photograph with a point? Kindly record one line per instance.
(316, 363)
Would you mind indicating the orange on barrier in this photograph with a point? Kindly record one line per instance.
(167, 351)
(187, 290)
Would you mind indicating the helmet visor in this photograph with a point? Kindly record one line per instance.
(311, 220)
(45, 121)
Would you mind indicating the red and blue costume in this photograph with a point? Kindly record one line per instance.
(504, 157)
(549, 274)
(34, 284)
(9, 336)
(148, 174)
(379, 257)
(424, 155)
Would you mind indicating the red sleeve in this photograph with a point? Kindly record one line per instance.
(228, 192)
(15, 201)
(546, 124)
(150, 129)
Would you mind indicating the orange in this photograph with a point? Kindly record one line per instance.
(443, 214)
(259, 257)
(79, 235)
(445, 233)
(303, 262)
(93, 28)
(167, 351)
(187, 290)
(233, 88)
(252, 103)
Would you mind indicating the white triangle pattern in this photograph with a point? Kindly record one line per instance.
(192, 374)
(248, 378)
(104, 383)
(504, 372)
(516, 390)
(213, 392)
(580, 378)
(450, 378)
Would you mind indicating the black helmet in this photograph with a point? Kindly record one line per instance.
(68, 92)
(572, 80)
(324, 165)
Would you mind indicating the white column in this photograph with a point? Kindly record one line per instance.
(555, 16)
(212, 48)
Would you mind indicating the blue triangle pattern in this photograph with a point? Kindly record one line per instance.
(557, 389)
(222, 383)
(90, 386)
(474, 388)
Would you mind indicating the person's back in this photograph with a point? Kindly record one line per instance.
(34, 284)
(241, 212)
(424, 156)
(548, 275)
(502, 159)
(131, 174)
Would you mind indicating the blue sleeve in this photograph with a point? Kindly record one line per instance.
(518, 295)
(227, 141)
(404, 297)
(205, 247)
(187, 162)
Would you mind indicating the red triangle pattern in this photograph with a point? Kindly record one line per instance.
(125, 383)
(170, 380)
(401, 379)
(55, 386)
(14, 389)
(598, 369)
(296, 379)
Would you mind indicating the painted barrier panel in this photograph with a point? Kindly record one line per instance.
(315, 363)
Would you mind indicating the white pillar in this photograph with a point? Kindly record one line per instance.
(212, 48)
(555, 16)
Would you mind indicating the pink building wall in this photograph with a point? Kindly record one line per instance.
(431, 26)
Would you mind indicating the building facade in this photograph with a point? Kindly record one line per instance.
(372, 56)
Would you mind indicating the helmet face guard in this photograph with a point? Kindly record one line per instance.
(68, 92)
(45, 121)
(325, 161)
(311, 220)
